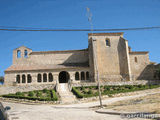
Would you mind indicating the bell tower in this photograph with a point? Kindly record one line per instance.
(21, 54)
(111, 56)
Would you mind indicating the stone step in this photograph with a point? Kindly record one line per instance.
(65, 94)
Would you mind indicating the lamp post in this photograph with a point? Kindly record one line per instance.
(97, 73)
(94, 56)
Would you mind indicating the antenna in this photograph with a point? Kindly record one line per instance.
(89, 15)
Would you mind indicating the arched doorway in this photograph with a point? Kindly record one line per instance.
(63, 77)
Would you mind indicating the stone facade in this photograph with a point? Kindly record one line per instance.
(107, 56)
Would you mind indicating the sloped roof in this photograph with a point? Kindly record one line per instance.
(63, 51)
(113, 33)
(16, 68)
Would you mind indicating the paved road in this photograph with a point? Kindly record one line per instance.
(46, 112)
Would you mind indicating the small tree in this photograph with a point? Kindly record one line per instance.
(157, 74)
(1, 79)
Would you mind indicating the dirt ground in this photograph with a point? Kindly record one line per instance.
(148, 103)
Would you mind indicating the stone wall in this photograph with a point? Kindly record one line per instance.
(26, 88)
(50, 57)
(140, 66)
(112, 59)
(137, 82)
(10, 77)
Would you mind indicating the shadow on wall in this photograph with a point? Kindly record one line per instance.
(77, 59)
(122, 55)
(149, 72)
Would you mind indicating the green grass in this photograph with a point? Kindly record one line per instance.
(40, 95)
(91, 91)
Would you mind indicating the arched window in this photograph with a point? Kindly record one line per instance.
(135, 59)
(39, 78)
(18, 79)
(82, 76)
(50, 76)
(18, 53)
(77, 76)
(23, 79)
(87, 75)
(29, 78)
(25, 53)
(44, 77)
(108, 42)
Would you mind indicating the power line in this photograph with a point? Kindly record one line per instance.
(63, 30)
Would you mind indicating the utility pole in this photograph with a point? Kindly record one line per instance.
(89, 15)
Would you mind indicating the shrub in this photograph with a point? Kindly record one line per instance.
(77, 93)
(90, 92)
(45, 90)
(19, 94)
(31, 93)
(107, 88)
(109, 95)
(39, 94)
(83, 88)
(54, 96)
(140, 86)
(85, 91)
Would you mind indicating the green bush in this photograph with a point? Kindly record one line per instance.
(45, 90)
(39, 94)
(34, 95)
(109, 95)
(109, 90)
(54, 96)
(85, 91)
(77, 93)
(19, 94)
(30, 93)
(83, 88)
(90, 92)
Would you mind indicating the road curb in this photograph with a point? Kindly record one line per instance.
(111, 112)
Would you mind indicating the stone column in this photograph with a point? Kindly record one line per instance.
(47, 78)
(55, 77)
(72, 76)
(34, 78)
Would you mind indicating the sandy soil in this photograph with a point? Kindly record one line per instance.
(148, 103)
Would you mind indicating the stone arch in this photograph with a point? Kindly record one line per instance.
(23, 78)
(18, 78)
(82, 76)
(25, 53)
(39, 78)
(44, 77)
(77, 76)
(18, 54)
(108, 42)
(135, 59)
(29, 78)
(87, 75)
(50, 76)
(64, 77)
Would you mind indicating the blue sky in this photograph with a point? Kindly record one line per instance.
(71, 14)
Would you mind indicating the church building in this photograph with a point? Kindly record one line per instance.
(108, 56)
